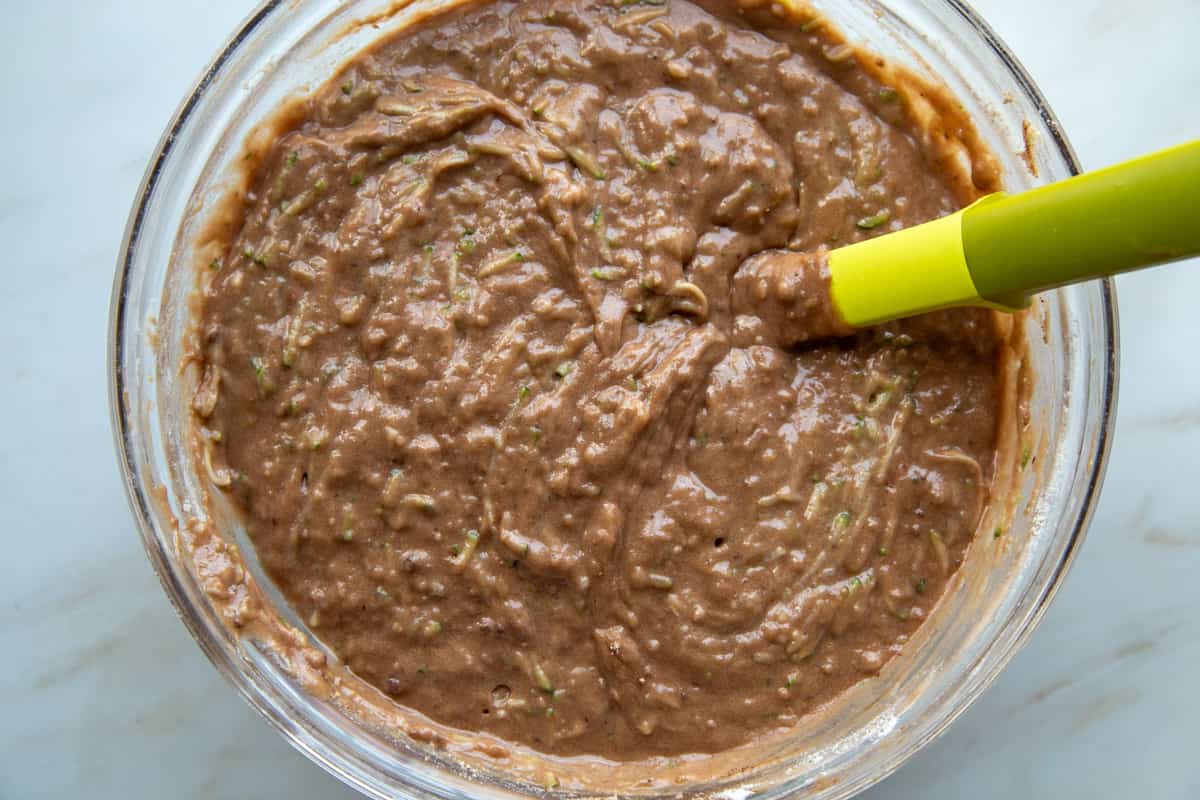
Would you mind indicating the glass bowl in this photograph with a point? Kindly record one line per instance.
(290, 46)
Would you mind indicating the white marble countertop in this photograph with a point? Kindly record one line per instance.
(104, 695)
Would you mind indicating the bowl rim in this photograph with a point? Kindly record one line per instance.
(1105, 377)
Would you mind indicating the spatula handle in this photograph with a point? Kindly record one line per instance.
(1136, 214)
(1003, 248)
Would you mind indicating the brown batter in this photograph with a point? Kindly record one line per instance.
(511, 418)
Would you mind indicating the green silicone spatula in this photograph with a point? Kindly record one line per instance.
(1003, 248)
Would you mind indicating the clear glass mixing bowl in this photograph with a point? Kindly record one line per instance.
(288, 46)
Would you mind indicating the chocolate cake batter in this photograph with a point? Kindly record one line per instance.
(500, 371)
